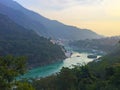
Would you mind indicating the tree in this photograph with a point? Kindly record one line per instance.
(10, 68)
(119, 42)
(24, 86)
(66, 79)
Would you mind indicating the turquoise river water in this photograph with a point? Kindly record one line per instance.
(76, 58)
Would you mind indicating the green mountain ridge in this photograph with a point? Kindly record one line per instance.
(107, 44)
(18, 41)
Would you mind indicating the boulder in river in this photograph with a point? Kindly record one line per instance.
(92, 56)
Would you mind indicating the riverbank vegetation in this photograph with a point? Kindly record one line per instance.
(81, 78)
(10, 68)
(102, 74)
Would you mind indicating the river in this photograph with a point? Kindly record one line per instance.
(76, 58)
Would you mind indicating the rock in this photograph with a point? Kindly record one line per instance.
(92, 56)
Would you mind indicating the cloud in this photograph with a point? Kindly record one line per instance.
(57, 4)
(99, 15)
(63, 4)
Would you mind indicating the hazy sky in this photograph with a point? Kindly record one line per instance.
(101, 16)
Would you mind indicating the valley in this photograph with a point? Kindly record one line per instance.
(39, 53)
(54, 68)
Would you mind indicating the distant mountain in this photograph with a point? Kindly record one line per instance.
(22, 19)
(104, 44)
(43, 26)
(18, 41)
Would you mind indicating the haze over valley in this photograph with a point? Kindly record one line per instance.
(59, 45)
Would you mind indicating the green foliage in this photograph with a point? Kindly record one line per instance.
(10, 68)
(104, 44)
(97, 75)
(24, 86)
(66, 79)
(48, 83)
(105, 63)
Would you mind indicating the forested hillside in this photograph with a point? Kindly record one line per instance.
(102, 74)
(18, 41)
(104, 44)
